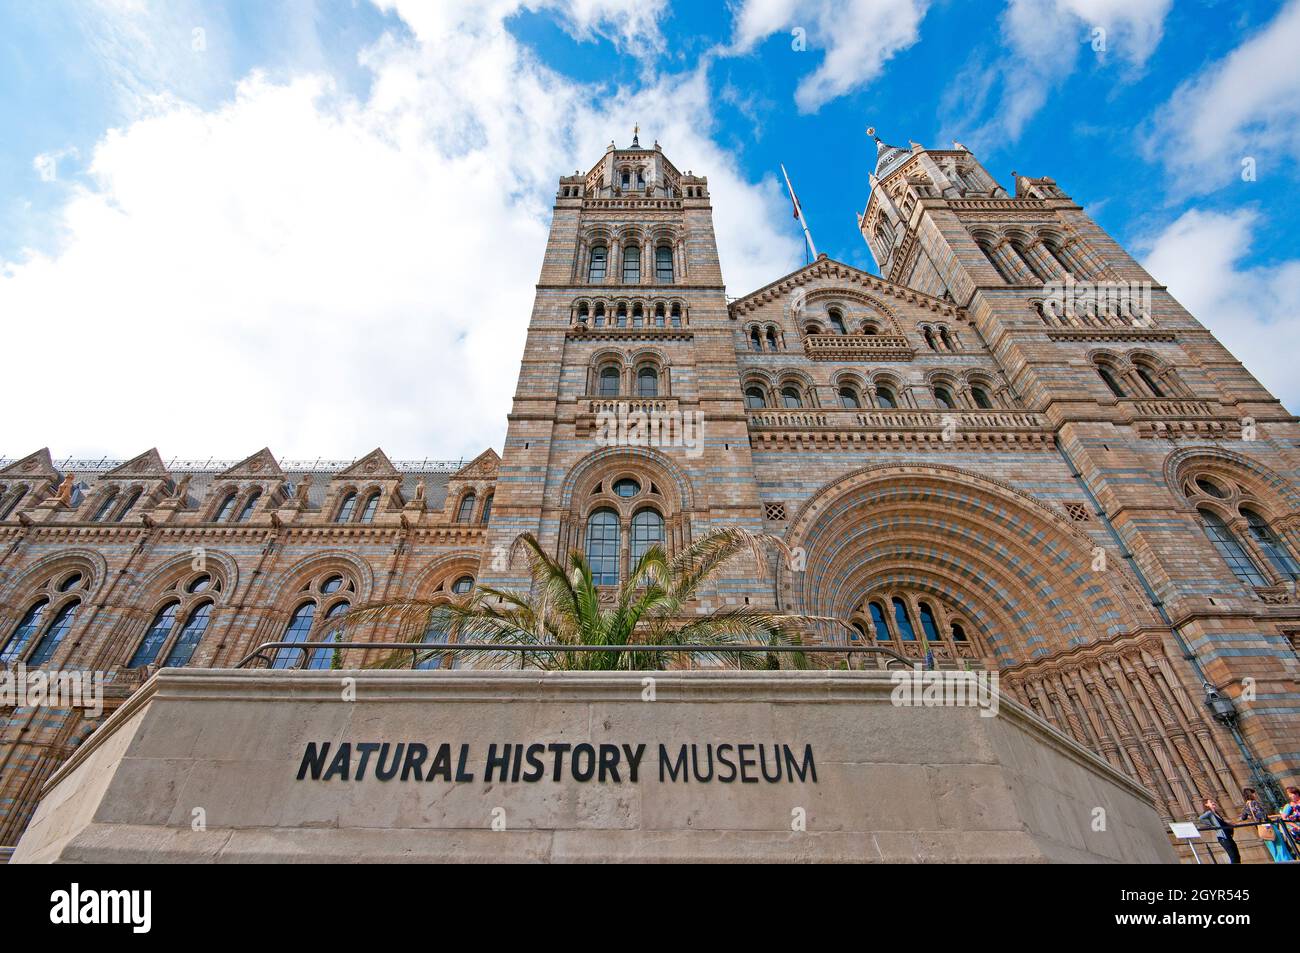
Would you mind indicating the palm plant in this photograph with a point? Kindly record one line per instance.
(563, 607)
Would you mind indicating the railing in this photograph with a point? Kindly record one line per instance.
(415, 648)
(830, 347)
(1170, 407)
(896, 419)
(631, 405)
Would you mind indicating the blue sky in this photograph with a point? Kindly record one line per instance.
(316, 225)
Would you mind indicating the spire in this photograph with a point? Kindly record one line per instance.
(887, 156)
(636, 136)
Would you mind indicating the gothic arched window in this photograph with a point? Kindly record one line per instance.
(6, 510)
(1228, 546)
(126, 507)
(879, 622)
(647, 531)
(247, 512)
(901, 619)
(191, 635)
(27, 627)
(1274, 549)
(486, 516)
(158, 633)
(664, 264)
(348, 507)
(927, 622)
(602, 547)
(298, 629)
(368, 511)
(101, 514)
(599, 260)
(54, 635)
(466, 511)
(632, 265)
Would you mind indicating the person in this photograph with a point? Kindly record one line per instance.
(1292, 815)
(1213, 819)
(1256, 812)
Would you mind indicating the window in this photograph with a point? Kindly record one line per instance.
(638, 315)
(29, 626)
(158, 633)
(1210, 488)
(901, 620)
(879, 622)
(602, 547)
(771, 339)
(849, 398)
(1273, 548)
(647, 382)
(946, 339)
(486, 516)
(324, 658)
(226, 508)
(54, 635)
(1149, 380)
(754, 399)
(927, 622)
(600, 314)
(659, 315)
(126, 507)
(790, 397)
(677, 315)
(348, 507)
(626, 488)
(297, 631)
(885, 397)
(981, 398)
(101, 514)
(596, 271)
(199, 584)
(929, 339)
(462, 585)
(608, 382)
(183, 650)
(13, 503)
(1230, 549)
(1111, 382)
(664, 264)
(247, 512)
(632, 265)
(944, 398)
(647, 531)
(755, 341)
(372, 504)
(837, 321)
(332, 585)
(958, 633)
(466, 511)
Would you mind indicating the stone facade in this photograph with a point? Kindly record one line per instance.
(965, 455)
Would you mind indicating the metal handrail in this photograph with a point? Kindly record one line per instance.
(260, 652)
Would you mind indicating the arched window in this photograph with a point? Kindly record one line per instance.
(13, 502)
(368, 511)
(126, 507)
(53, 636)
(486, 516)
(297, 631)
(677, 315)
(583, 312)
(754, 399)
(981, 398)
(158, 633)
(638, 315)
(101, 514)
(664, 263)
(602, 547)
(987, 248)
(771, 339)
(1149, 379)
(885, 397)
(944, 398)
(927, 622)
(647, 382)
(647, 531)
(626, 488)
(929, 339)
(608, 386)
(324, 658)
(904, 623)
(849, 398)
(599, 259)
(462, 585)
(1273, 547)
(790, 397)
(755, 340)
(1108, 376)
(946, 339)
(1233, 553)
(837, 321)
(1055, 251)
(466, 511)
(620, 314)
(29, 626)
(247, 512)
(600, 314)
(191, 634)
(958, 633)
(348, 507)
(879, 622)
(632, 265)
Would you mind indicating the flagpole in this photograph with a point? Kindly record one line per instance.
(798, 211)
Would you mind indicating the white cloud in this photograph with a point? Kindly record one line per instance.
(1043, 39)
(858, 37)
(321, 274)
(1250, 310)
(1245, 105)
